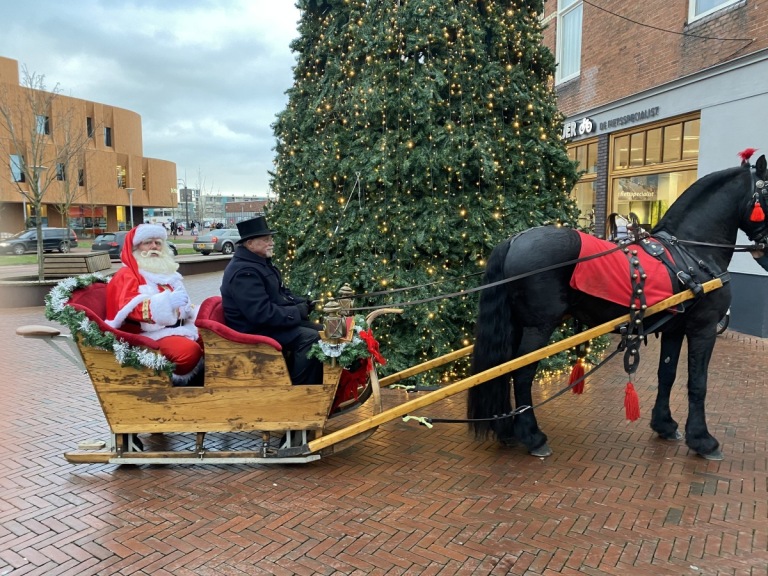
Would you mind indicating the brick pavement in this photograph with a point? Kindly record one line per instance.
(611, 500)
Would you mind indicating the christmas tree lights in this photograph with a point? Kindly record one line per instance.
(418, 134)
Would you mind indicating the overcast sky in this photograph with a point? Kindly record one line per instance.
(207, 77)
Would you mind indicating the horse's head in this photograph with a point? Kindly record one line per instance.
(754, 222)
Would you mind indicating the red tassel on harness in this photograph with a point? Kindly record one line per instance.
(631, 403)
(757, 212)
(576, 373)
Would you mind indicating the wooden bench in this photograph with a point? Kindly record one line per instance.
(74, 264)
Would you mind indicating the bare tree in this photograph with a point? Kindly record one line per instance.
(72, 149)
(29, 118)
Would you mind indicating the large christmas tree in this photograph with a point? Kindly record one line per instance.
(418, 135)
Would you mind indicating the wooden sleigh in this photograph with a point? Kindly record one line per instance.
(246, 388)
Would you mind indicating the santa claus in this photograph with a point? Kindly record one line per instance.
(147, 296)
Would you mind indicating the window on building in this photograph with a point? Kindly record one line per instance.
(585, 153)
(699, 8)
(61, 173)
(143, 181)
(675, 142)
(17, 171)
(652, 166)
(81, 177)
(89, 126)
(569, 15)
(121, 181)
(43, 124)
(107, 136)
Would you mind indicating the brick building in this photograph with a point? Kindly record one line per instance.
(657, 94)
(113, 177)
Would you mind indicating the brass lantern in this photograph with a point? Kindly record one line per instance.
(335, 325)
(345, 299)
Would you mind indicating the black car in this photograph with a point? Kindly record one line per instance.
(26, 241)
(112, 242)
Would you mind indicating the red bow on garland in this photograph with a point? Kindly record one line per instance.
(373, 348)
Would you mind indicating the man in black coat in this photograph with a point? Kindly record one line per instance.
(256, 301)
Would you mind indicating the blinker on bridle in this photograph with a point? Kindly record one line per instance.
(757, 213)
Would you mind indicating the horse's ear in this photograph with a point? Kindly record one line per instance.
(761, 167)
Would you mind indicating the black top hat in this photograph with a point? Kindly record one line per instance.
(252, 228)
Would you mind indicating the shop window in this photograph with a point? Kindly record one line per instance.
(585, 154)
(621, 152)
(649, 196)
(653, 146)
(672, 141)
(651, 167)
(691, 139)
(569, 17)
(637, 149)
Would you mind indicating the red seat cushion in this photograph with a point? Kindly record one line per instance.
(211, 317)
(92, 300)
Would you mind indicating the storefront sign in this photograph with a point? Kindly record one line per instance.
(575, 128)
(630, 118)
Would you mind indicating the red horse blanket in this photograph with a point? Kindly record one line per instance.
(608, 276)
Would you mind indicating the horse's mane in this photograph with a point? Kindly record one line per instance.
(701, 191)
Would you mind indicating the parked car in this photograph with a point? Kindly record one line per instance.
(26, 241)
(222, 240)
(112, 242)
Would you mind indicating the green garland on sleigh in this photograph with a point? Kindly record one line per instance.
(88, 332)
(346, 354)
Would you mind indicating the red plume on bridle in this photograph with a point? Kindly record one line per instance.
(746, 154)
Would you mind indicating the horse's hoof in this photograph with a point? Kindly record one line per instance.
(715, 455)
(676, 437)
(542, 451)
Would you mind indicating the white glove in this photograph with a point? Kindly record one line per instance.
(178, 298)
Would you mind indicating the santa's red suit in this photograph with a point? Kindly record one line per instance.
(140, 301)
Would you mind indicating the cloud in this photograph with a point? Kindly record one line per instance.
(207, 76)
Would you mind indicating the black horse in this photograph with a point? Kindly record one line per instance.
(519, 316)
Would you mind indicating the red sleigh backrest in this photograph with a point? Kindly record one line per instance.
(211, 317)
(92, 300)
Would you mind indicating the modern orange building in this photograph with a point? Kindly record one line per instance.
(113, 176)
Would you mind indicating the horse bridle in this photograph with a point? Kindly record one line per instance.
(759, 236)
(760, 195)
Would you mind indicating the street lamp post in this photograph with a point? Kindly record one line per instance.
(130, 201)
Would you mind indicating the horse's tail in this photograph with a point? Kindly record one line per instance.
(495, 343)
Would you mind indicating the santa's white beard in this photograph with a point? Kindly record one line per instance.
(163, 263)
